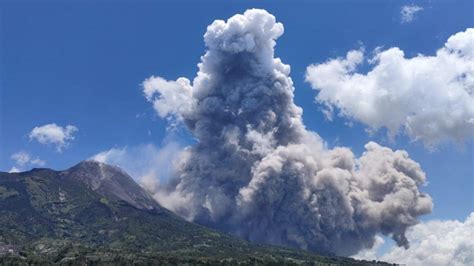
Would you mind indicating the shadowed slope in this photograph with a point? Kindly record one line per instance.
(97, 212)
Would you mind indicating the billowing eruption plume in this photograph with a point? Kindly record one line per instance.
(257, 172)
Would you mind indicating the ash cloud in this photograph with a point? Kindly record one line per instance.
(257, 172)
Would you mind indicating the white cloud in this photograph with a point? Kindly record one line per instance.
(429, 98)
(23, 159)
(168, 97)
(408, 13)
(38, 162)
(52, 134)
(449, 242)
(14, 170)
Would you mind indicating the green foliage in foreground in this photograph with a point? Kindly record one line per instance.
(47, 217)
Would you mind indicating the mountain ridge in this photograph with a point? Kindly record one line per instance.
(97, 212)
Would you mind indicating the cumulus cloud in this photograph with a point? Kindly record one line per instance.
(23, 159)
(408, 12)
(257, 172)
(146, 163)
(437, 243)
(428, 98)
(168, 97)
(52, 134)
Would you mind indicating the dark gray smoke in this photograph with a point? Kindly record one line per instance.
(257, 172)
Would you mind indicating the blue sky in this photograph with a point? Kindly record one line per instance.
(82, 64)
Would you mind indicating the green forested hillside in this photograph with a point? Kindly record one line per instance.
(96, 213)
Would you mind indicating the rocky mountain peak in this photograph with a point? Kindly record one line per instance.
(111, 182)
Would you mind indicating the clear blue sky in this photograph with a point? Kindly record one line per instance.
(82, 63)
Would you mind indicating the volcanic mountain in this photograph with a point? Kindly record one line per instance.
(94, 212)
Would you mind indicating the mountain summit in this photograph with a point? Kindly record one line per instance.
(111, 182)
(97, 213)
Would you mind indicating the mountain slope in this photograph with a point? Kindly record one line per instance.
(97, 212)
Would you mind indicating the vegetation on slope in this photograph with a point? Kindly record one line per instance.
(95, 213)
